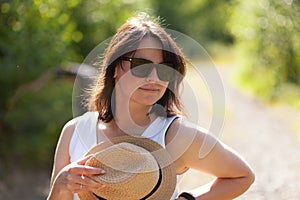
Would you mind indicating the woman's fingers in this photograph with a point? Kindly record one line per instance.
(84, 159)
(86, 170)
(76, 176)
(80, 168)
(81, 183)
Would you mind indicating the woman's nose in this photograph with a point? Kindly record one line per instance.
(153, 76)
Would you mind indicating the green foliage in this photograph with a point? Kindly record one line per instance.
(35, 119)
(268, 39)
(99, 20)
(34, 37)
(38, 35)
(202, 20)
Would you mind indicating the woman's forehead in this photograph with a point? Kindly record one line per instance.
(150, 48)
(150, 43)
(155, 55)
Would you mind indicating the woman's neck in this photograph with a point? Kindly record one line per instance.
(133, 118)
(133, 113)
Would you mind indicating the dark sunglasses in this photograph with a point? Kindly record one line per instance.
(142, 68)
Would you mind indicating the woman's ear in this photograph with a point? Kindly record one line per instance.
(115, 73)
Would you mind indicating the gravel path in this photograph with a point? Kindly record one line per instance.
(269, 143)
(266, 138)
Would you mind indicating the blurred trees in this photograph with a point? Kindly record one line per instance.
(34, 37)
(204, 20)
(98, 20)
(267, 34)
(37, 37)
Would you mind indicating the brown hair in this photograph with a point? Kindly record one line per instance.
(124, 42)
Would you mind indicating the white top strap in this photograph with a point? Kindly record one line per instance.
(157, 130)
(84, 136)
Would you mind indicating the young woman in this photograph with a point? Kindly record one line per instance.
(137, 94)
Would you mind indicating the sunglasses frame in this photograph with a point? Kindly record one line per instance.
(165, 70)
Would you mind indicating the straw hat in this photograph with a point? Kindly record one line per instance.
(136, 168)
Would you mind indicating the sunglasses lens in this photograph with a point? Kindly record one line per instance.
(142, 68)
(135, 62)
(166, 71)
(142, 71)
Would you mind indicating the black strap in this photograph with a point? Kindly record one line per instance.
(156, 186)
(149, 194)
(100, 198)
(187, 196)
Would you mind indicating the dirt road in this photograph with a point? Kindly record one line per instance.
(269, 143)
(265, 136)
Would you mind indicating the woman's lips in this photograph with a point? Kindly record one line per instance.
(148, 89)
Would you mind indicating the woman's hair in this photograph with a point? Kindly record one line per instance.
(125, 42)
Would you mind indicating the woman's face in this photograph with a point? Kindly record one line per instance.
(144, 91)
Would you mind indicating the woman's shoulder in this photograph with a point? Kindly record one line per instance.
(70, 126)
(180, 137)
(183, 125)
(182, 133)
(82, 118)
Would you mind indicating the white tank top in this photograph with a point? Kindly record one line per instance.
(85, 137)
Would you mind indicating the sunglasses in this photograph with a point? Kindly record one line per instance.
(141, 68)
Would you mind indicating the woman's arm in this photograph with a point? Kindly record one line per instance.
(198, 150)
(67, 177)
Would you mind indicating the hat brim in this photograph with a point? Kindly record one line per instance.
(168, 179)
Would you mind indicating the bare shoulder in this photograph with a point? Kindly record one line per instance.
(69, 127)
(62, 157)
(183, 138)
(62, 147)
(183, 133)
(193, 147)
(67, 131)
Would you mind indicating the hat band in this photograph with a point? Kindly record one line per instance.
(150, 193)
(156, 186)
(100, 198)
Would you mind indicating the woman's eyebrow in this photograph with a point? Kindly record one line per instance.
(150, 60)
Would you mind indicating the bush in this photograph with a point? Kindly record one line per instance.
(267, 34)
(202, 20)
(35, 36)
(38, 35)
(35, 119)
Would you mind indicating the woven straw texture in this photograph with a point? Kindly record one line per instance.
(132, 170)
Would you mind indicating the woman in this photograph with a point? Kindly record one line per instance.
(141, 74)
